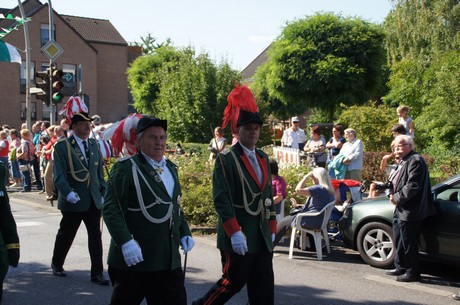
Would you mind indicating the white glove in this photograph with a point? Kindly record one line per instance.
(187, 243)
(72, 197)
(239, 243)
(273, 237)
(132, 253)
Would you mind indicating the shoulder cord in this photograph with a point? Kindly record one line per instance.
(243, 183)
(73, 172)
(158, 200)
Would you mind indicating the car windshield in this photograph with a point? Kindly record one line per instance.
(450, 194)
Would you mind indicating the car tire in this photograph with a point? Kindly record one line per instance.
(375, 244)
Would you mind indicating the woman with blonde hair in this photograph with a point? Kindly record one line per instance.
(319, 195)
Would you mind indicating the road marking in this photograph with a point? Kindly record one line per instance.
(413, 286)
(29, 223)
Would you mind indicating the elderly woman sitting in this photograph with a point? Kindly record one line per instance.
(319, 195)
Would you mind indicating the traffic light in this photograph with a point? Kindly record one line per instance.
(42, 83)
(58, 85)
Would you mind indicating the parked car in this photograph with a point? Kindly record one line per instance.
(366, 226)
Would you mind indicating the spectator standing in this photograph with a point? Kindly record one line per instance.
(79, 178)
(294, 137)
(405, 120)
(14, 145)
(316, 148)
(278, 188)
(217, 144)
(243, 200)
(25, 154)
(36, 163)
(4, 151)
(144, 259)
(9, 239)
(334, 145)
(413, 203)
(353, 152)
(48, 173)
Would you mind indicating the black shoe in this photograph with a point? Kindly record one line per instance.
(100, 280)
(408, 278)
(456, 297)
(198, 301)
(395, 272)
(58, 271)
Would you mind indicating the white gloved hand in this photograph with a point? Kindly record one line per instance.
(72, 197)
(187, 243)
(273, 237)
(132, 253)
(239, 243)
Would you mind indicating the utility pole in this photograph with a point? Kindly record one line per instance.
(27, 43)
(51, 24)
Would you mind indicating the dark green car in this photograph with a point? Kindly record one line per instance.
(366, 226)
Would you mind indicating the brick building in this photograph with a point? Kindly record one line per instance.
(92, 43)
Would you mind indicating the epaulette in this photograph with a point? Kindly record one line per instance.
(124, 158)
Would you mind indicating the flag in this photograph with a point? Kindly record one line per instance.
(8, 53)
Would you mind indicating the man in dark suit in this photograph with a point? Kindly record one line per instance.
(79, 179)
(246, 228)
(9, 239)
(146, 223)
(413, 203)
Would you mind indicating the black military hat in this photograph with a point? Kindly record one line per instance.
(247, 117)
(145, 122)
(80, 117)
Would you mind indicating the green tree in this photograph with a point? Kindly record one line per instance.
(372, 124)
(322, 61)
(423, 40)
(149, 44)
(188, 90)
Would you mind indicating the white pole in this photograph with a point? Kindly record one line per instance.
(28, 78)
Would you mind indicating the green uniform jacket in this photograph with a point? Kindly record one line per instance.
(71, 173)
(159, 242)
(9, 238)
(228, 201)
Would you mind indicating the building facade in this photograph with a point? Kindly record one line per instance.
(92, 44)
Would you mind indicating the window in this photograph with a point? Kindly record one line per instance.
(23, 76)
(33, 111)
(45, 33)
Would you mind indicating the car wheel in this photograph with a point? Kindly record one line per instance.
(375, 244)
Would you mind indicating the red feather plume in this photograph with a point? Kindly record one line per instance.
(240, 98)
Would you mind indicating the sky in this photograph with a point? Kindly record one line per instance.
(236, 31)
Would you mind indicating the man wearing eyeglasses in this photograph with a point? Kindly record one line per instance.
(413, 203)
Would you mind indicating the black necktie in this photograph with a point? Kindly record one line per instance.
(86, 151)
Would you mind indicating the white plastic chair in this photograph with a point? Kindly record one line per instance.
(317, 233)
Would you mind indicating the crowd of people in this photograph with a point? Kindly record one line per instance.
(143, 195)
(28, 154)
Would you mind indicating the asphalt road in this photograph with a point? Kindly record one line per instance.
(341, 278)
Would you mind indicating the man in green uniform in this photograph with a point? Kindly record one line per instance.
(79, 178)
(144, 217)
(9, 239)
(247, 220)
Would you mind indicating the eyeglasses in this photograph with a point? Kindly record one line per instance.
(401, 145)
